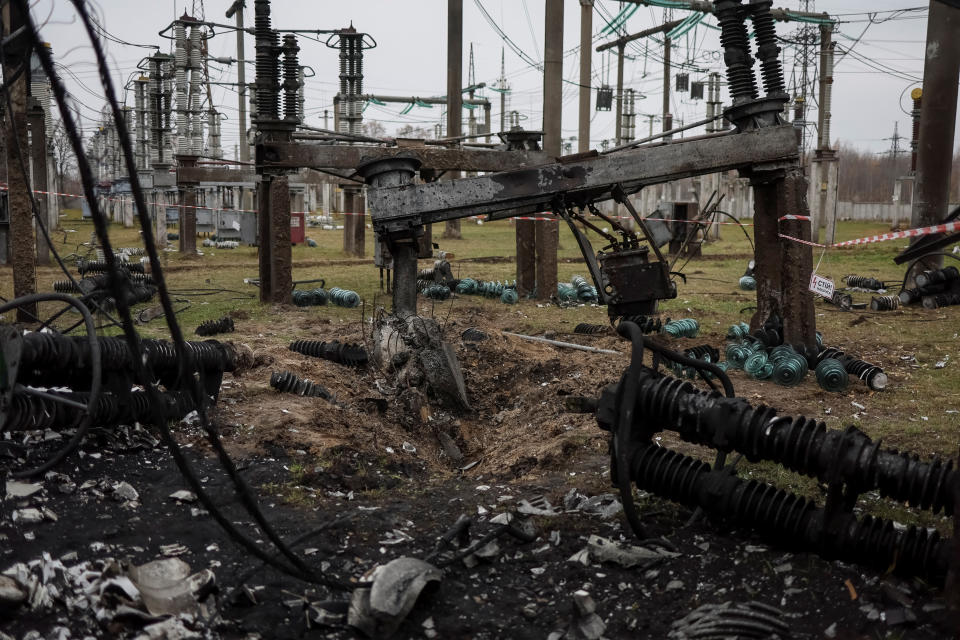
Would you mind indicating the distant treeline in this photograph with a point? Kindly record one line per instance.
(869, 177)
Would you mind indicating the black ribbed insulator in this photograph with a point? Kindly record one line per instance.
(65, 286)
(785, 518)
(267, 65)
(291, 78)
(863, 282)
(349, 354)
(885, 303)
(768, 53)
(941, 300)
(909, 296)
(937, 276)
(587, 328)
(289, 383)
(647, 324)
(213, 327)
(93, 266)
(736, 50)
(800, 444)
(703, 352)
(28, 412)
(872, 374)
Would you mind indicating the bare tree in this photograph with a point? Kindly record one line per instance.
(374, 129)
(410, 131)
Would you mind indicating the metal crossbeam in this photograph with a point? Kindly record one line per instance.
(294, 155)
(520, 191)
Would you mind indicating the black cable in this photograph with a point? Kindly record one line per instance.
(184, 355)
(95, 373)
(626, 401)
(133, 340)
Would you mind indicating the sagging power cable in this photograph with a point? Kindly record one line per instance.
(296, 567)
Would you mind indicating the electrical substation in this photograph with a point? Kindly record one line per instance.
(608, 326)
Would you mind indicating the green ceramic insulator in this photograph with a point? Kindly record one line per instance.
(780, 352)
(757, 366)
(509, 296)
(790, 370)
(738, 331)
(686, 328)
(748, 283)
(831, 375)
(344, 297)
(737, 354)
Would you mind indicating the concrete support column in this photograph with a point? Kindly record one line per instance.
(281, 273)
(547, 231)
(941, 70)
(586, 57)
(38, 167)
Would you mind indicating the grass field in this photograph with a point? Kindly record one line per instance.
(919, 412)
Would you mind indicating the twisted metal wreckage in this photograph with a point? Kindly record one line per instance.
(644, 402)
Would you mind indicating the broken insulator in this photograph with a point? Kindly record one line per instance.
(289, 383)
(910, 296)
(935, 277)
(309, 297)
(509, 296)
(435, 291)
(31, 412)
(685, 328)
(831, 375)
(885, 303)
(872, 374)
(863, 282)
(941, 300)
(589, 329)
(586, 292)
(738, 331)
(348, 354)
(647, 324)
(213, 327)
(344, 297)
(785, 517)
(566, 292)
(748, 283)
(841, 300)
(95, 266)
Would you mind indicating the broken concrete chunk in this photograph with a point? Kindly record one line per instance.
(379, 610)
(22, 489)
(183, 496)
(167, 587)
(605, 550)
(125, 491)
(27, 516)
(583, 603)
(11, 594)
(329, 612)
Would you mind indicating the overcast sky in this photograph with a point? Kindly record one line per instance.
(871, 89)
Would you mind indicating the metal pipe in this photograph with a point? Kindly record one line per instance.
(558, 343)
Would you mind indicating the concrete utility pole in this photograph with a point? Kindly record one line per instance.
(824, 168)
(667, 116)
(586, 57)
(237, 8)
(38, 163)
(22, 247)
(454, 88)
(547, 231)
(937, 121)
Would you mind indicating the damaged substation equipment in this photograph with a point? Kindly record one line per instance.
(55, 382)
(849, 463)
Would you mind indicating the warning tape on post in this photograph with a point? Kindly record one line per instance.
(883, 237)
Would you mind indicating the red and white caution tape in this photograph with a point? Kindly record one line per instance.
(893, 235)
